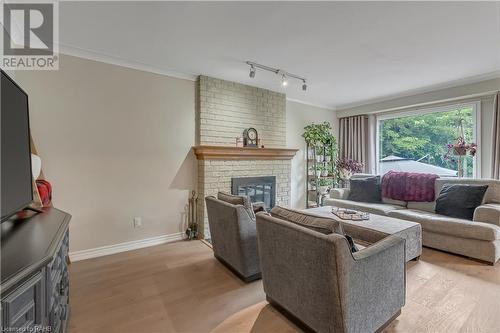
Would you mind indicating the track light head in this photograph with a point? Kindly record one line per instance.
(284, 81)
(252, 71)
(304, 85)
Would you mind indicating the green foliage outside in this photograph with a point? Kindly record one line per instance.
(426, 136)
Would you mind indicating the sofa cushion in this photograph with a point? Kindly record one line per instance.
(441, 224)
(394, 202)
(238, 200)
(365, 189)
(459, 200)
(314, 222)
(425, 206)
(375, 208)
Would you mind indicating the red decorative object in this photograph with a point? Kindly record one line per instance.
(45, 190)
(409, 186)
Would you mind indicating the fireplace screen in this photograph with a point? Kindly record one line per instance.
(258, 189)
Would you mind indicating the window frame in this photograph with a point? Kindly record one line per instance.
(476, 131)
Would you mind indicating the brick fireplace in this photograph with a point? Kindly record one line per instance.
(224, 110)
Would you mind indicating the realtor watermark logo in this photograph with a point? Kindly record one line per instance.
(30, 35)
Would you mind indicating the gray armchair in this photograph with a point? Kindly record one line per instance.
(234, 236)
(315, 280)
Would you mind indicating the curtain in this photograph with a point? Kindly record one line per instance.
(495, 147)
(353, 139)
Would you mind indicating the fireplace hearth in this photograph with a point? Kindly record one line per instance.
(258, 189)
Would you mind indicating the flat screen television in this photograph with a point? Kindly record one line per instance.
(16, 178)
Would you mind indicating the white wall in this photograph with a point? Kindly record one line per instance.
(297, 116)
(451, 95)
(115, 143)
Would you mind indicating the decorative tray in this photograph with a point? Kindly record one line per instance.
(349, 214)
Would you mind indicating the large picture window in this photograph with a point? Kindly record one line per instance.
(417, 141)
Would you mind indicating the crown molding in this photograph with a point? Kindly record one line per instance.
(412, 92)
(108, 59)
(321, 106)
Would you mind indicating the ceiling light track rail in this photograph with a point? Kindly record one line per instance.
(284, 74)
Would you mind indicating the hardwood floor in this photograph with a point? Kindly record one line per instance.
(181, 287)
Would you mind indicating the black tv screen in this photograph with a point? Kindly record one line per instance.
(16, 176)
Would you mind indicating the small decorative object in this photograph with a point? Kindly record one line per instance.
(250, 137)
(192, 229)
(259, 143)
(460, 148)
(348, 167)
(349, 214)
(239, 142)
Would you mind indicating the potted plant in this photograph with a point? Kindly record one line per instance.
(324, 184)
(460, 148)
(347, 167)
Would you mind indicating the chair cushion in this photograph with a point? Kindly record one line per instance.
(317, 223)
(460, 200)
(365, 189)
(375, 208)
(446, 225)
(237, 200)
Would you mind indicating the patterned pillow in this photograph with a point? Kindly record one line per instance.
(237, 200)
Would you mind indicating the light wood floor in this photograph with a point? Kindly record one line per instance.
(180, 287)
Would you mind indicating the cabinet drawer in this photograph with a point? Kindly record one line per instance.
(24, 306)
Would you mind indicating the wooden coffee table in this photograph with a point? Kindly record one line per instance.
(378, 227)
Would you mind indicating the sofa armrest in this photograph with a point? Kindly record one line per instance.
(339, 193)
(488, 213)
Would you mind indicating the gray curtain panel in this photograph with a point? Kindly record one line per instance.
(353, 139)
(495, 147)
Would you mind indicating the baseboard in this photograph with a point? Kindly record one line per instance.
(123, 247)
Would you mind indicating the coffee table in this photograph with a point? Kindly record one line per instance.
(378, 227)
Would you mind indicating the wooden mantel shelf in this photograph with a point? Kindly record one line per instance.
(242, 153)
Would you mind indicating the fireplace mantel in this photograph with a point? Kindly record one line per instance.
(242, 153)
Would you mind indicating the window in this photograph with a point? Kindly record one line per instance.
(417, 141)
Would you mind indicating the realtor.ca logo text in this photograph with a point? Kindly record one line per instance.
(30, 35)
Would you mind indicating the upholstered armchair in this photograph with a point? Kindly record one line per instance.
(315, 281)
(233, 234)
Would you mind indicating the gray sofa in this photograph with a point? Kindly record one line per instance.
(479, 239)
(314, 280)
(233, 236)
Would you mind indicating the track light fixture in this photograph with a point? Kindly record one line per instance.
(284, 75)
(252, 71)
(284, 81)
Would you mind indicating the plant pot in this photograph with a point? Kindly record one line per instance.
(324, 173)
(459, 151)
(328, 158)
(319, 158)
(322, 189)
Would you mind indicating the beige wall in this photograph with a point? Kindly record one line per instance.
(451, 95)
(111, 143)
(297, 116)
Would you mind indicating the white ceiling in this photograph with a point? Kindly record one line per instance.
(349, 52)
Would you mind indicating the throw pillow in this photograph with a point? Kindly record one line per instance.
(365, 190)
(459, 200)
(323, 225)
(353, 246)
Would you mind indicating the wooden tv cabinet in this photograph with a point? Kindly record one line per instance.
(34, 275)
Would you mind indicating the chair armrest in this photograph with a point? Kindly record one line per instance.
(488, 213)
(339, 193)
(258, 206)
(377, 283)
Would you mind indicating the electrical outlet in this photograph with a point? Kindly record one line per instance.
(137, 222)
